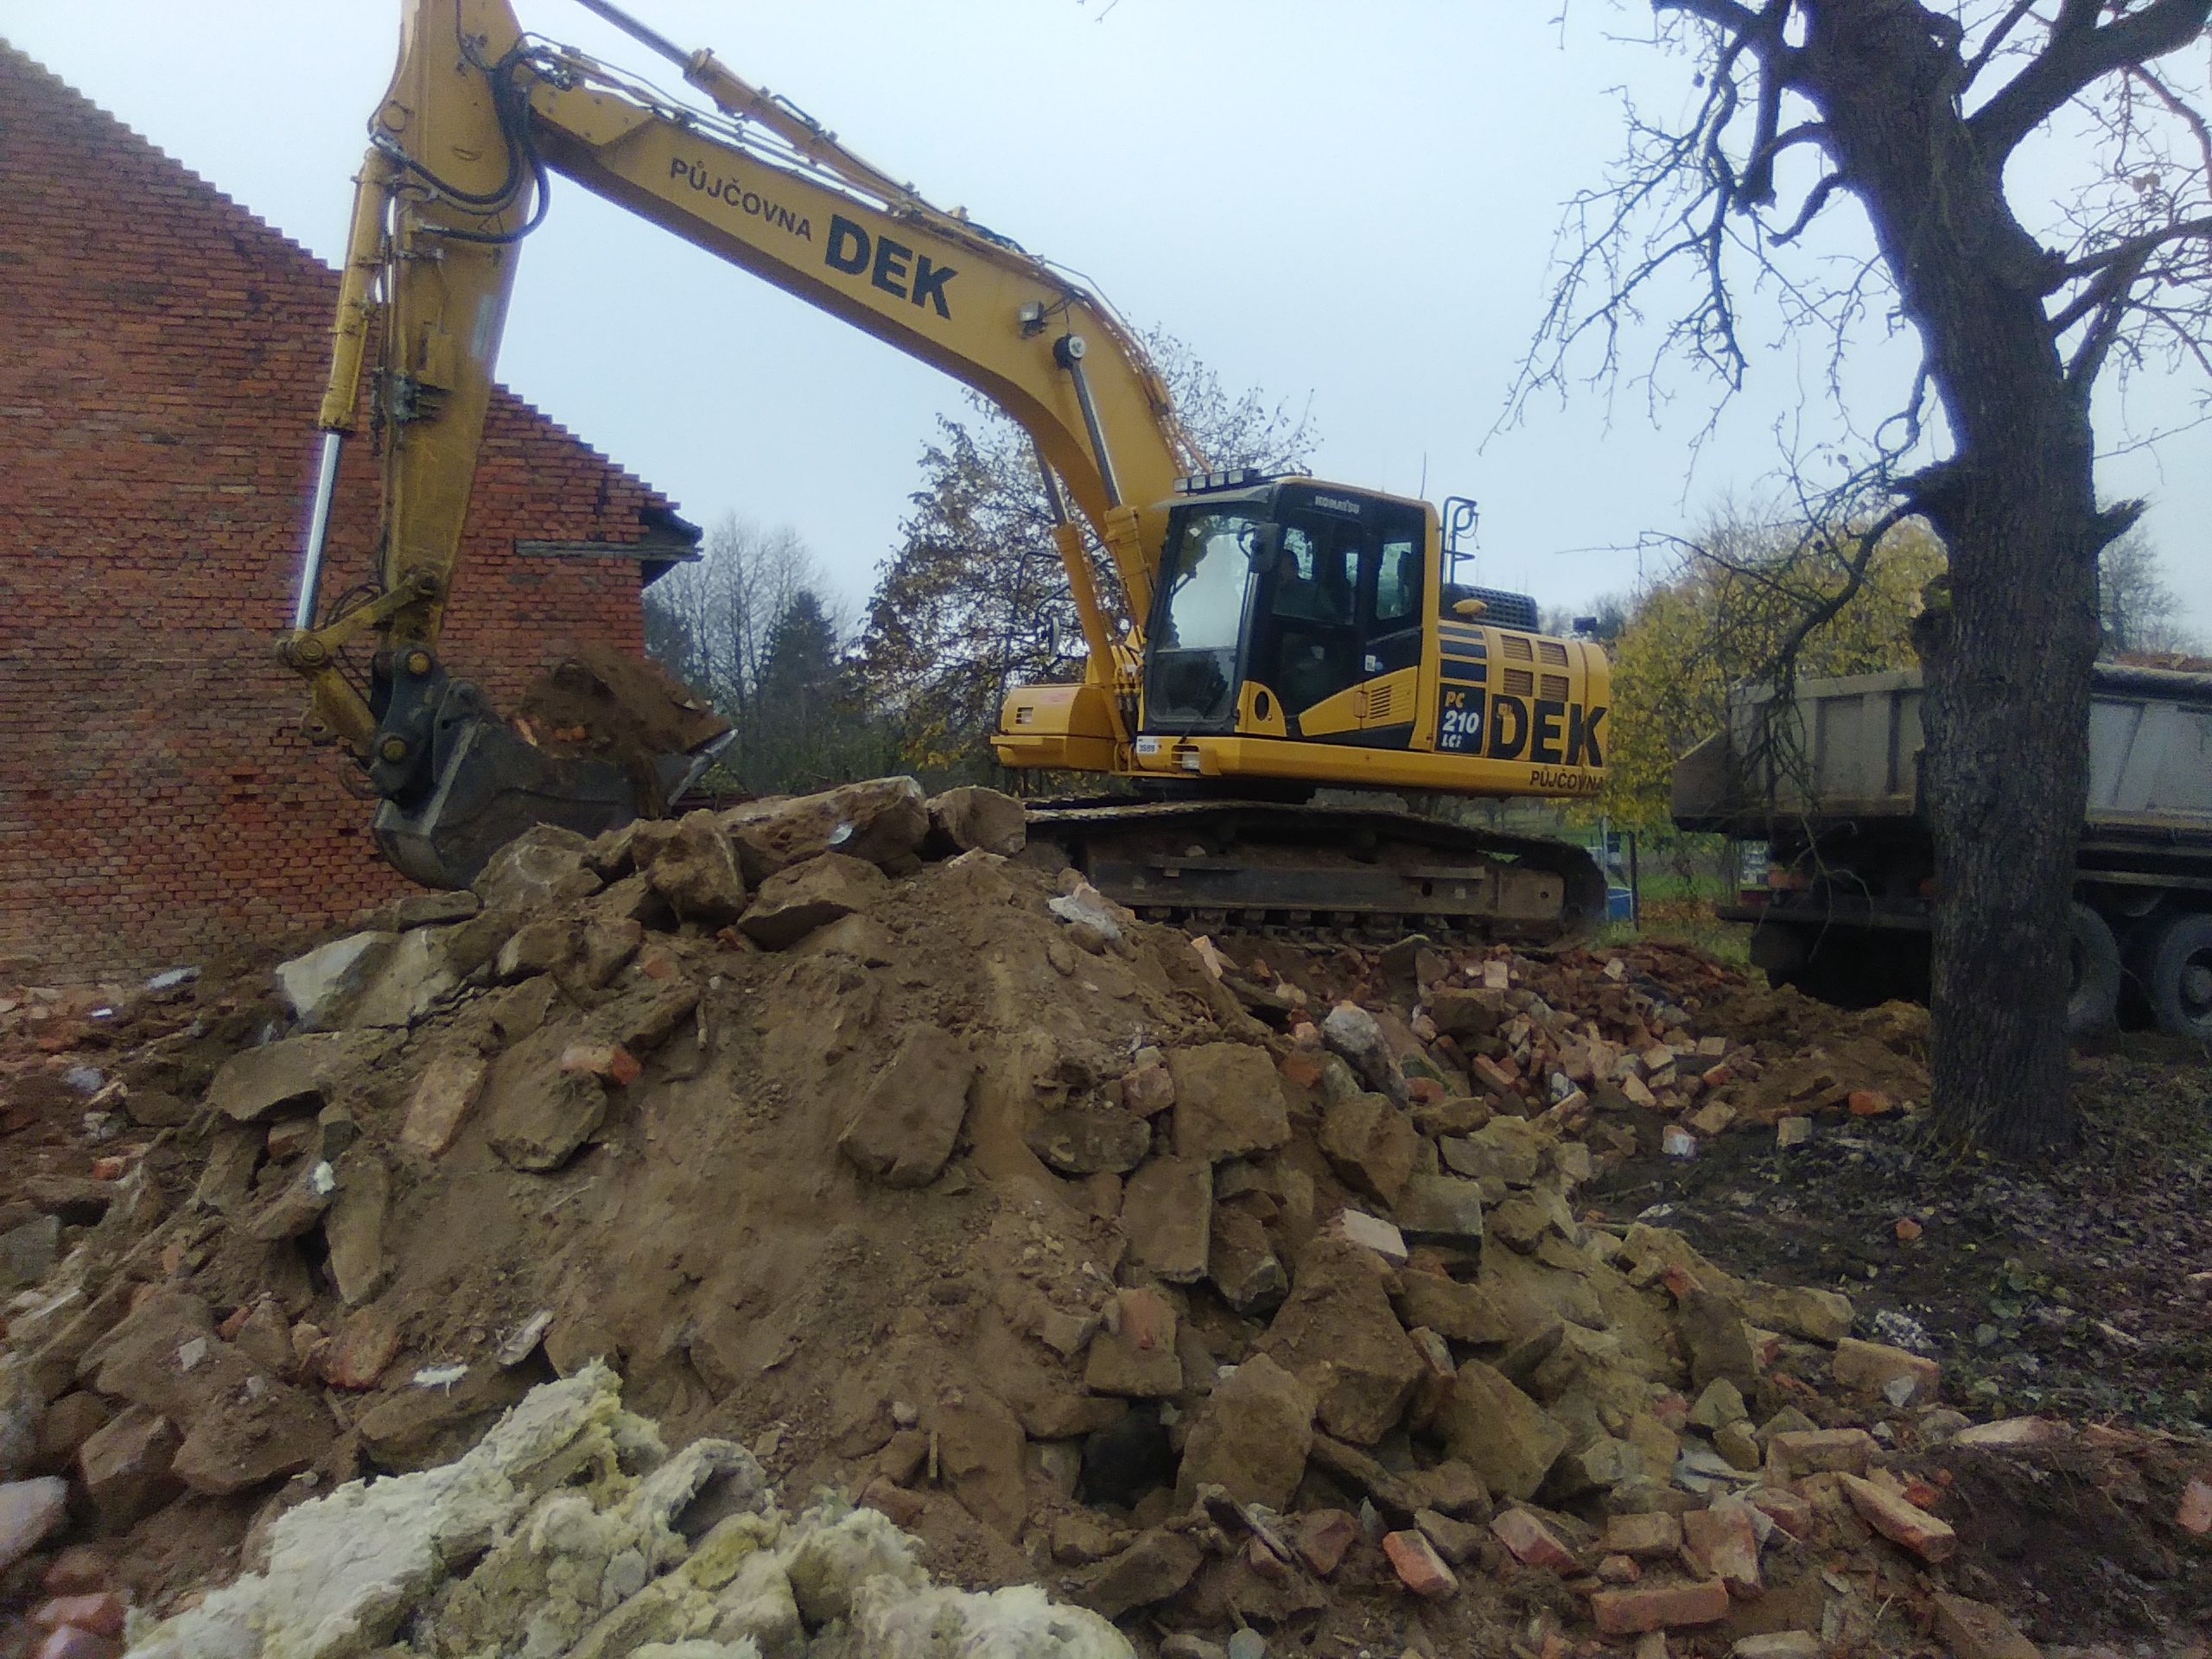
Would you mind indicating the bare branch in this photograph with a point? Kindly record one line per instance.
(2077, 56)
(1995, 39)
(2132, 250)
(1757, 189)
(1815, 198)
(1727, 12)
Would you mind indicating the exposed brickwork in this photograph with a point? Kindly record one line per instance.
(161, 353)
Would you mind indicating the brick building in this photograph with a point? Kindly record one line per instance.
(161, 354)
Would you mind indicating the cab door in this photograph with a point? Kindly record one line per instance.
(1306, 638)
(1392, 627)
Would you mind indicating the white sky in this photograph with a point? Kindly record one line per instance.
(1353, 205)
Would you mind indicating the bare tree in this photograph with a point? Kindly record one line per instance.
(710, 623)
(1912, 109)
(2140, 613)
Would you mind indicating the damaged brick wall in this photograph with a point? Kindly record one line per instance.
(161, 354)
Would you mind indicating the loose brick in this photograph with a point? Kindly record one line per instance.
(1659, 1607)
(1532, 1543)
(1421, 1569)
(1897, 1518)
(1721, 1543)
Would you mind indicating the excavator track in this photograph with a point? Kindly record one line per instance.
(1323, 871)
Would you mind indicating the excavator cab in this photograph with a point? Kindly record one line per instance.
(1303, 630)
(1276, 607)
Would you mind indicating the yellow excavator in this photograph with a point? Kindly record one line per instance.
(1287, 662)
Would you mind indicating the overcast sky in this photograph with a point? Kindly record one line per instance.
(1351, 207)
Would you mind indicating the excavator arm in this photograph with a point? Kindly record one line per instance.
(477, 116)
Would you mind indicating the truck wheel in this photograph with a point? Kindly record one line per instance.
(2180, 982)
(2093, 956)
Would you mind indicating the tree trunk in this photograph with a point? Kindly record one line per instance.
(2007, 659)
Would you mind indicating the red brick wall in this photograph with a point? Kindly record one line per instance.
(161, 354)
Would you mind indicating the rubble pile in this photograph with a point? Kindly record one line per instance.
(1243, 1293)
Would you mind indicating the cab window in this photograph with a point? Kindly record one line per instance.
(1397, 581)
(1312, 583)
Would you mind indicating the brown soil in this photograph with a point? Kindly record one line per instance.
(749, 1282)
(606, 703)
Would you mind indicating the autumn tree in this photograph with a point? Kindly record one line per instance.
(1916, 114)
(1734, 604)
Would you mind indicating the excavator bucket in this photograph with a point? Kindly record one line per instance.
(600, 740)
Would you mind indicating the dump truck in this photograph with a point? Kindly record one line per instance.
(1829, 780)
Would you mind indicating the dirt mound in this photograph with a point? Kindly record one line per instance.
(1215, 1286)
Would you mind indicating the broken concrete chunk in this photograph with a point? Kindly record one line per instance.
(972, 818)
(1251, 1437)
(1371, 1233)
(1466, 1012)
(547, 946)
(29, 1510)
(256, 1082)
(1876, 1368)
(1338, 1334)
(1507, 1150)
(883, 821)
(536, 1112)
(1653, 1536)
(241, 1425)
(1504, 1435)
(1372, 1145)
(545, 865)
(690, 863)
(1358, 1036)
(1823, 1316)
(1441, 1207)
(296, 1206)
(414, 979)
(1085, 1140)
(794, 902)
(1151, 1570)
(448, 1087)
(1228, 1101)
(1719, 1343)
(1242, 1263)
(128, 1467)
(905, 1125)
(1167, 1214)
(354, 1225)
(1460, 1311)
(323, 984)
(1134, 1352)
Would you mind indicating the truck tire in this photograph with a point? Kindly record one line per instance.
(2093, 956)
(2179, 979)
